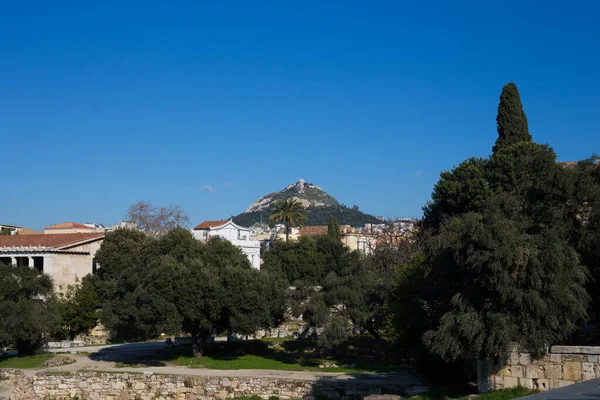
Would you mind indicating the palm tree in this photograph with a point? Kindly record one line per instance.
(288, 211)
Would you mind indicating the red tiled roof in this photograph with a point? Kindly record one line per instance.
(57, 241)
(313, 230)
(211, 224)
(68, 225)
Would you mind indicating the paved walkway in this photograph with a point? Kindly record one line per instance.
(588, 390)
(104, 358)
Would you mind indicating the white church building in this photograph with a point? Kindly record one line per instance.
(237, 235)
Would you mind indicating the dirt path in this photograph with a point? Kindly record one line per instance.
(105, 358)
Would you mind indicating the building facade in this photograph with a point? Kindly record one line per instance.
(66, 257)
(239, 236)
(71, 227)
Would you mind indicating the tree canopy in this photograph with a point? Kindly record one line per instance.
(290, 213)
(333, 229)
(511, 119)
(175, 283)
(28, 305)
(157, 220)
(77, 306)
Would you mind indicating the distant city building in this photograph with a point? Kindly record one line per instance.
(17, 230)
(122, 225)
(239, 236)
(66, 257)
(71, 227)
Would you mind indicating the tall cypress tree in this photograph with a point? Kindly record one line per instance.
(511, 119)
(333, 229)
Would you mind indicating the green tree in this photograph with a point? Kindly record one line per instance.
(296, 261)
(77, 307)
(511, 119)
(517, 164)
(28, 307)
(333, 229)
(498, 281)
(180, 284)
(461, 190)
(289, 212)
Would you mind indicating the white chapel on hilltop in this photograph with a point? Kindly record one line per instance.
(237, 235)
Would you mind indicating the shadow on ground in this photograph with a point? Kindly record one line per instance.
(358, 355)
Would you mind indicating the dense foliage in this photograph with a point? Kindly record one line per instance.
(28, 312)
(511, 119)
(175, 283)
(333, 229)
(77, 306)
(504, 264)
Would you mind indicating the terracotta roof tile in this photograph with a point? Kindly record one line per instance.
(27, 231)
(68, 225)
(313, 230)
(57, 241)
(211, 224)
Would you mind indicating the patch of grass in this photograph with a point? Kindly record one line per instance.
(25, 362)
(450, 393)
(83, 353)
(126, 365)
(275, 354)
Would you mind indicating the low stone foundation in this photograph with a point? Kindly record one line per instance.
(561, 366)
(125, 386)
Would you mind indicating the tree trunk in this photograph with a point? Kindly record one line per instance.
(196, 349)
(287, 233)
(371, 329)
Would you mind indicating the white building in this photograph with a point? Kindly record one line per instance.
(237, 235)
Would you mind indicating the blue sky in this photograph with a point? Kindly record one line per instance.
(103, 104)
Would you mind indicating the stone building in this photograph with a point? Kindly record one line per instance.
(66, 257)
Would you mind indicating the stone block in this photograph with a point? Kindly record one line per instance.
(553, 384)
(572, 371)
(587, 369)
(513, 358)
(524, 359)
(540, 384)
(526, 383)
(506, 371)
(553, 371)
(562, 383)
(498, 382)
(533, 371)
(555, 358)
(576, 349)
(592, 358)
(516, 371)
(510, 382)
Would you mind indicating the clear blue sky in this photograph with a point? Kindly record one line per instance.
(106, 103)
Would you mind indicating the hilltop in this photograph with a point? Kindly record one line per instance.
(318, 204)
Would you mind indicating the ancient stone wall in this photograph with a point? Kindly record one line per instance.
(125, 386)
(561, 366)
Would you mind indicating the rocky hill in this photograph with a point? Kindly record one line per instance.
(319, 207)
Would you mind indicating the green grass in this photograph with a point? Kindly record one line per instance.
(504, 394)
(276, 354)
(250, 361)
(26, 362)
